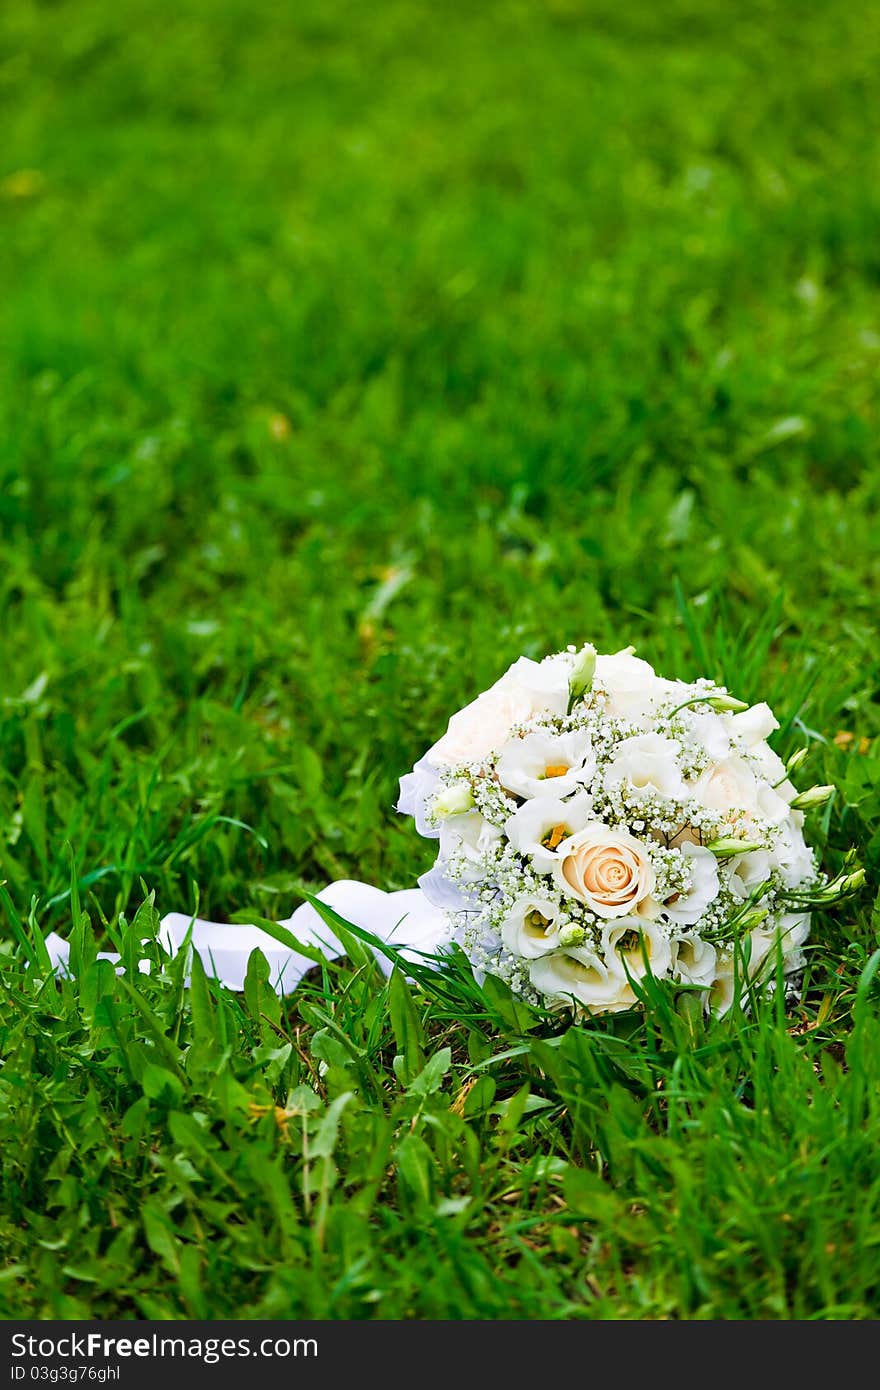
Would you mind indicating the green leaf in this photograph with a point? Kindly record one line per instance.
(204, 1015)
(328, 1047)
(415, 1165)
(160, 1084)
(160, 1236)
(479, 1097)
(323, 1142)
(430, 1079)
(406, 1027)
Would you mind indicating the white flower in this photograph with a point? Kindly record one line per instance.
(580, 976)
(753, 725)
(722, 993)
(793, 855)
(633, 688)
(762, 951)
(543, 823)
(793, 961)
(694, 960)
(416, 790)
(771, 804)
(626, 943)
(793, 928)
(546, 681)
(527, 688)
(530, 929)
(558, 838)
(470, 834)
(786, 935)
(686, 908)
(466, 836)
(647, 763)
(709, 732)
(441, 891)
(546, 764)
(768, 764)
(747, 871)
(609, 870)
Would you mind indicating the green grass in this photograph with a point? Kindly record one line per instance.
(347, 353)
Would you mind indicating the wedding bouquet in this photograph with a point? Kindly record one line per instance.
(597, 823)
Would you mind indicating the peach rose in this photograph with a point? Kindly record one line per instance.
(607, 869)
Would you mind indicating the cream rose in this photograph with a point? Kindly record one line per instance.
(609, 870)
(731, 789)
(527, 689)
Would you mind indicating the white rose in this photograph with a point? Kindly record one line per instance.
(526, 689)
(543, 823)
(633, 687)
(753, 725)
(686, 908)
(546, 764)
(728, 786)
(530, 929)
(694, 961)
(580, 976)
(647, 763)
(626, 943)
(609, 870)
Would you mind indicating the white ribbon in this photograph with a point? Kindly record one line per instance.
(405, 920)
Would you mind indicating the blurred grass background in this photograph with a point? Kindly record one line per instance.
(347, 353)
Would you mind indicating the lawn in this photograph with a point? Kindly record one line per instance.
(348, 352)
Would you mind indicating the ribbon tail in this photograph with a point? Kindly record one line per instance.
(404, 919)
